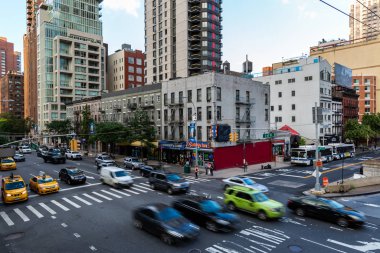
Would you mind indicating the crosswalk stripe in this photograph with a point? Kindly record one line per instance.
(102, 196)
(21, 214)
(139, 190)
(145, 184)
(143, 187)
(33, 210)
(60, 205)
(93, 198)
(119, 192)
(197, 179)
(112, 194)
(51, 211)
(6, 218)
(127, 190)
(82, 200)
(71, 203)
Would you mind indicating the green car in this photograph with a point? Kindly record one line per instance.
(253, 201)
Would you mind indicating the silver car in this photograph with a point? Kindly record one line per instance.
(246, 182)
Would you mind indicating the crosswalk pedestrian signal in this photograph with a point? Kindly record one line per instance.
(236, 136)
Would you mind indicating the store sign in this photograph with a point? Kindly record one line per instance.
(191, 144)
(172, 145)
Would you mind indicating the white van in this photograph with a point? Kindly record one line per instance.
(116, 177)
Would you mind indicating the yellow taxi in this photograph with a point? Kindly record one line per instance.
(7, 164)
(13, 189)
(43, 184)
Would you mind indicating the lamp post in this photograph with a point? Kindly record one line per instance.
(194, 121)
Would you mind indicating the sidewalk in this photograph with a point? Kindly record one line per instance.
(366, 190)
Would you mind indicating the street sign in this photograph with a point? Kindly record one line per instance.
(319, 163)
(321, 148)
(268, 135)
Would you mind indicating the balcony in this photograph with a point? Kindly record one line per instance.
(243, 120)
(194, 57)
(194, 1)
(117, 108)
(243, 101)
(195, 9)
(195, 28)
(176, 122)
(101, 110)
(194, 38)
(194, 19)
(195, 47)
(195, 66)
(148, 106)
(176, 104)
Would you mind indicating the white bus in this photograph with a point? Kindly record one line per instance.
(326, 153)
(303, 155)
(342, 150)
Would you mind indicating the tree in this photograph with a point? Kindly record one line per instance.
(60, 127)
(373, 121)
(84, 130)
(356, 132)
(11, 125)
(109, 133)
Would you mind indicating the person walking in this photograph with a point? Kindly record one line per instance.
(196, 172)
(212, 169)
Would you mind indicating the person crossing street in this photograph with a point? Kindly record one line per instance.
(196, 172)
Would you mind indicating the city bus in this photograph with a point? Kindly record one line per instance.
(326, 153)
(303, 155)
(342, 150)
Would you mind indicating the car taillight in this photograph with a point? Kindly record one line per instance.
(290, 201)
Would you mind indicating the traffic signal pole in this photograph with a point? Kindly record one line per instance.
(317, 184)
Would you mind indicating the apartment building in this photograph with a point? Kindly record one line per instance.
(12, 94)
(125, 69)
(365, 22)
(9, 59)
(296, 85)
(70, 56)
(365, 87)
(182, 38)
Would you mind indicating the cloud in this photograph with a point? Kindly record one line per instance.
(129, 6)
(306, 13)
(285, 1)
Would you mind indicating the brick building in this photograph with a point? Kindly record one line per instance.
(349, 99)
(365, 87)
(8, 57)
(12, 94)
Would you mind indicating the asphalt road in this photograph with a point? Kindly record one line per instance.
(97, 218)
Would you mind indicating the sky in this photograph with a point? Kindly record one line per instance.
(265, 30)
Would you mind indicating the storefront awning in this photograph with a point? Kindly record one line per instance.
(289, 129)
(137, 144)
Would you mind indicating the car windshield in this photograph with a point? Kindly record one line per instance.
(56, 150)
(168, 214)
(7, 161)
(14, 185)
(46, 180)
(210, 206)
(74, 152)
(135, 160)
(173, 177)
(74, 171)
(334, 204)
(248, 181)
(121, 173)
(260, 197)
(106, 157)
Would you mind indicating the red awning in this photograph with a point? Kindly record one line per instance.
(289, 129)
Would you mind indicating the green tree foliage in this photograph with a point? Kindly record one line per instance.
(356, 132)
(373, 121)
(109, 132)
(59, 126)
(12, 125)
(141, 128)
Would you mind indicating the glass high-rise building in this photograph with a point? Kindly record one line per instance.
(70, 55)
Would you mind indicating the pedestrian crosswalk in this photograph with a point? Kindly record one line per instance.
(79, 200)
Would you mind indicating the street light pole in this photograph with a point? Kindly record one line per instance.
(194, 121)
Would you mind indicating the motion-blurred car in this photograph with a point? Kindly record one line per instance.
(99, 166)
(206, 212)
(72, 175)
(244, 181)
(132, 163)
(253, 201)
(74, 155)
(103, 159)
(326, 209)
(19, 158)
(13, 189)
(145, 170)
(115, 177)
(169, 182)
(25, 149)
(43, 184)
(165, 222)
(7, 164)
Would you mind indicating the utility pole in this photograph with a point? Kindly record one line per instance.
(317, 185)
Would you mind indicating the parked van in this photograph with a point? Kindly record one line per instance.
(116, 177)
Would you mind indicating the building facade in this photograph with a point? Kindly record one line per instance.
(9, 59)
(296, 86)
(12, 94)
(182, 38)
(367, 23)
(70, 56)
(125, 69)
(365, 87)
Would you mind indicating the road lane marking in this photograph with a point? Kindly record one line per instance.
(6, 218)
(64, 225)
(112, 194)
(82, 200)
(60, 205)
(139, 190)
(336, 228)
(77, 187)
(92, 247)
(371, 205)
(33, 210)
(51, 211)
(93, 198)
(334, 169)
(145, 184)
(120, 192)
(76, 235)
(102, 196)
(128, 190)
(71, 203)
(143, 187)
(21, 214)
(320, 244)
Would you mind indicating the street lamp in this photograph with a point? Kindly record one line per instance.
(194, 121)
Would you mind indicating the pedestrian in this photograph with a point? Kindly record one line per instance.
(245, 166)
(212, 169)
(196, 172)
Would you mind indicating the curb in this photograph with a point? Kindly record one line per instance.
(307, 193)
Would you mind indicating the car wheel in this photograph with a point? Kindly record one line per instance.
(262, 215)
(152, 186)
(170, 191)
(300, 212)
(138, 224)
(231, 206)
(69, 181)
(45, 160)
(226, 186)
(167, 239)
(102, 181)
(342, 222)
(211, 226)
(141, 173)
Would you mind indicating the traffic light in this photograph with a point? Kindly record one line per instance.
(236, 136)
(73, 145)
(232, 137)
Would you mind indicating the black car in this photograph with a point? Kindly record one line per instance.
(72, 175)
(326, 209)
(165, 222)
(169, 182)
(145, 170)
(206, 212)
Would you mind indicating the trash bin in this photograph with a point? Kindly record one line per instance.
(186, 169)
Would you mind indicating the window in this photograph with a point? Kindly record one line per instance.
(189, 114)
(219, 94)
(321, 90)
(208, 94)
(219, 113)
(165, 115)
(165, 99)
(131, 60)
(266, 114)
(308, 78)
(189, 96)
(278, 82)
(293, 118)
(278, 119)
(280, 94)
(291, 80)
(280, 107)
(293, 107)
(237, 95)
(131, 69)
(243, 195)
(199, 113)
(199, 95)
(209, 114)
(266, 99)
(172, 98)
(293, 93)
(199, 133)
(272, 108)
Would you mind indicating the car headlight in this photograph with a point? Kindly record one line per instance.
(23, 192)
(177, 185)
(174, 233)
(194, 226)
(8, 195)
(222, 222)
(354, 217)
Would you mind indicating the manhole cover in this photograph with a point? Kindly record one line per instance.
(14, 236)
(295, 248)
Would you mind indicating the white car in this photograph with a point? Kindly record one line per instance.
(25, 150)
(103, 159)
(246, 182)
(73, 155)
(115, 177)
